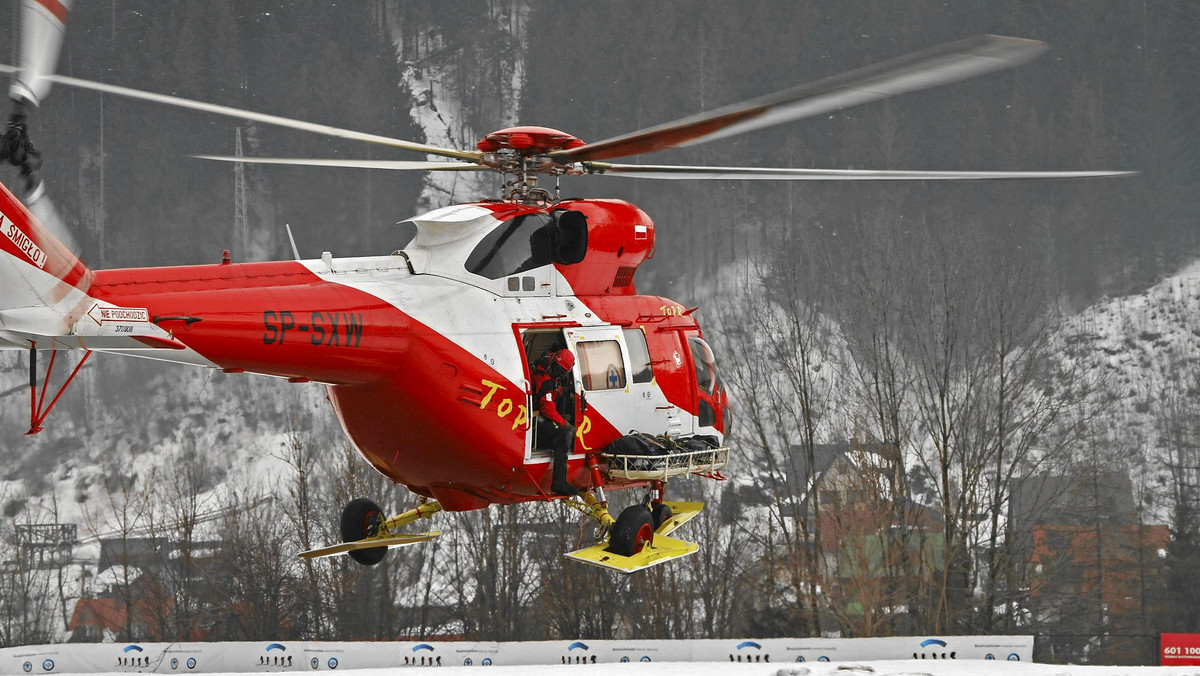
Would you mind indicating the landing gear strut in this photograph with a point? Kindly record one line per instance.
(367, 535)
(639, 537)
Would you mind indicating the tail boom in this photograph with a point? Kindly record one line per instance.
(46, 299)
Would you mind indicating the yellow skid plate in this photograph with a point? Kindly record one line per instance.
(681, 513)
(663, 549)
(393, 541)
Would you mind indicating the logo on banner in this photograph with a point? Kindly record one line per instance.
(269, 660)
(315, 663)
(422, 646)
(749, 658)
(578, 659)
(48, 665)
(1013, 657)
(191, 663)
(174, 662)
(933, 641)
(332, 663)
(28, 666)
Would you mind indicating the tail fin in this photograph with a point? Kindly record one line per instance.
(43, 285)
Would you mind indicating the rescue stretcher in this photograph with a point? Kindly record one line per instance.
(660, 467)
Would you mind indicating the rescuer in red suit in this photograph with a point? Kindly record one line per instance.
(551, 380)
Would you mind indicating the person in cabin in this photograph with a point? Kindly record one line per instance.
(552, 385)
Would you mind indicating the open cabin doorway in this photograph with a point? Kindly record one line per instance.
(536, 343)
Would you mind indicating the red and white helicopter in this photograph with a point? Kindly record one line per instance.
(426, 352)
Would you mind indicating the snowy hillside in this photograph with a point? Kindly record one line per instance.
(1147, 346)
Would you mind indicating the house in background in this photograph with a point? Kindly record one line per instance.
(874, 546)
(1092, 565)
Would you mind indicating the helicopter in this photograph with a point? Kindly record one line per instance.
(428, 352)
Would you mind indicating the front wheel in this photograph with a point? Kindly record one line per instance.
(361, 519)
(633, 530)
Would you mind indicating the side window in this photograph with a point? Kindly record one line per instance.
(520, 244)
(702, 359)
(600, 365)
(639, 355)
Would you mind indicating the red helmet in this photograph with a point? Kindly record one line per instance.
(564, 359)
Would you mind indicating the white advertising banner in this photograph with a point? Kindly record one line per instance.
(166, 658)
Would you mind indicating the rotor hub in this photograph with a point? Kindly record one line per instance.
(528, 140)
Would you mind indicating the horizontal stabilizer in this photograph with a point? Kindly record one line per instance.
(369, 543)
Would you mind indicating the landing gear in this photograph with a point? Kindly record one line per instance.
(367, 535)
(660, 512)
(360, 520)
(633, 530)
(639, 537)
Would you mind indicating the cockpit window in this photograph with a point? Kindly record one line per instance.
(706, 369)
(521, 244)
(639, 355)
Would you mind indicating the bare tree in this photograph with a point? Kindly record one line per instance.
(775, 344)
(123, 523)
(259, 569)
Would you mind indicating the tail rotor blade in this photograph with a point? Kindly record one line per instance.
(45, 212)
(43, 25)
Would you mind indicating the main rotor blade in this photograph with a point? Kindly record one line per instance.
(469, 155)
(359, 164)
(786, 174)
(939, 65)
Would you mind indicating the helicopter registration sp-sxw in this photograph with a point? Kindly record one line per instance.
(426, 353)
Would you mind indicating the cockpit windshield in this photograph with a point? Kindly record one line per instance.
(705, 365)
(517, 245)
(530, 241)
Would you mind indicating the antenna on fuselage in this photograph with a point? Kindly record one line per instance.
(295, 251)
